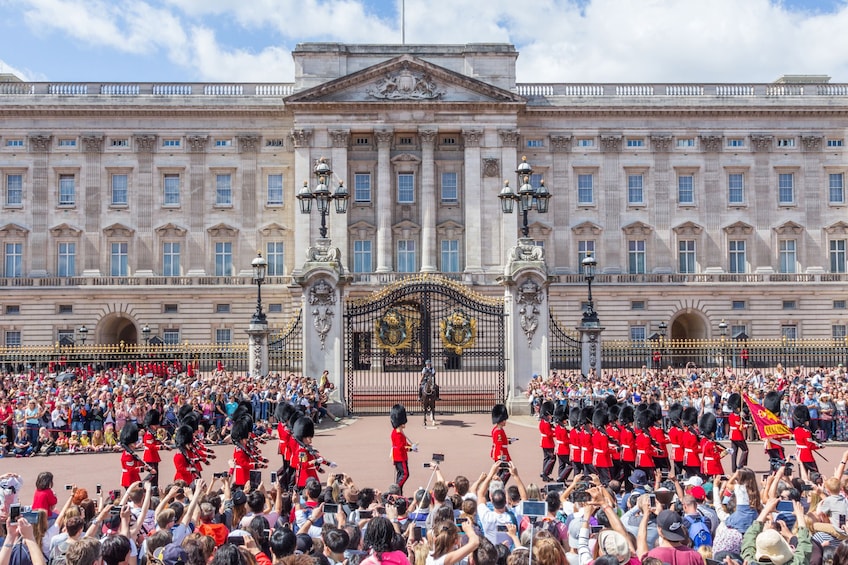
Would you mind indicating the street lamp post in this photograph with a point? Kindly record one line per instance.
(589, 264)
(322, 195)
(83, 333)
(663, 327)
(528, 196)
(145, 333)
(722, 328)
(260, 266)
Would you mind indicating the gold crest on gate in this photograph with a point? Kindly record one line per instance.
(394, 331)
(458, 331)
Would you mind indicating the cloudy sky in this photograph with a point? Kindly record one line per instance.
(558, 40)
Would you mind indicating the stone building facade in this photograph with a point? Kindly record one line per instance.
(126, 205)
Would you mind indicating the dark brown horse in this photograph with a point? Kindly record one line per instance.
(429, 393)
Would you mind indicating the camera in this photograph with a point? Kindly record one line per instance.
(555, 487)
(438, 457)
(366, 513)
(417, 533)
(115, 510)
(330, 508)
(235, 540)
(534, 508)
(273, 477)
(580, 494)
(69, 487)
(220, 475)
(14, 512)
(99, 489)
(502, 528)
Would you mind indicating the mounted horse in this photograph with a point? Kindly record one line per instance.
(428, 393)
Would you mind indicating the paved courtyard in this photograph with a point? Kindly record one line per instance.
(361, 447)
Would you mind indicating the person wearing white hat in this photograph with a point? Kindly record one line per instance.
(768, 546)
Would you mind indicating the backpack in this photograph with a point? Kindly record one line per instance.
(57, 554)
(699, 531)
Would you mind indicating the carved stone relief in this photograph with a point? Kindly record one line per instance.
(491, 167)
(529, 297)
(322, 298)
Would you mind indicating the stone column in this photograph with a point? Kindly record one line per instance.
(560, 186)
(428, 200)
(198, 250)
(509, 160)
(609, 202)
(337, 223)
(252, 196)
(590, 348)
(809, 194)
(526, 305)
(385, 201)
(761, 195)
(713, 201)
(302, 173)
(144, 205)
(473, 202)
(257, 355)
(664, 258)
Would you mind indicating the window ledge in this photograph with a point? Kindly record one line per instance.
(13, 206)
(118, 206)
(67, 206)
(275, 206)
(223, 206)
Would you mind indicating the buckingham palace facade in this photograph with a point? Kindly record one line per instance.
(142, 204)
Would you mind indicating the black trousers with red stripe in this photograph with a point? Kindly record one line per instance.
(401, 473)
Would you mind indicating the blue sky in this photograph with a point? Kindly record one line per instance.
(558, 40)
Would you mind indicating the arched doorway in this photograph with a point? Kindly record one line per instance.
(116, 328)
(689, 325)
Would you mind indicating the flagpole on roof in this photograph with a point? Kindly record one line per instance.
(403, 21)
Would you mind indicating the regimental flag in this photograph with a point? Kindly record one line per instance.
(768, 425)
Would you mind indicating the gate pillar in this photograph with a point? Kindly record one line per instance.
(323, 346)
(527, 310)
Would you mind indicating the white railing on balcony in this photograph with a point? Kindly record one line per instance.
(146, 89)
(681, 90)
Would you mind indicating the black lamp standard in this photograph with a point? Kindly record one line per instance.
(145, 333)
(83, 333)
(663, 327)
(527, 196)
(589, 264)
(322, 195)
(722, 328)
(260, 265)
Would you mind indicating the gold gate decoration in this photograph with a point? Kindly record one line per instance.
(394, 331)
(458, 331)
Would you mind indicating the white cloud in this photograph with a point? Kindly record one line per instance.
(213, 63)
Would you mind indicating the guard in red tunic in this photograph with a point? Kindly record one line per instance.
(401, 446)
(282, 413)
(293, 448)
(690, 442)
(614, 435)
(774, 446)
(585, 439)
(660, 440)
(500, 442)
(151, 445)
(737, 433)
(601, 446)
(804, 443)
(627, 441)
(644, 444)
(574, 440)
(130, 463)
(711, 451)
(675, 411)
(562, 447)
(546, 430)
(309, 461)
(242, 452)
(184, 459)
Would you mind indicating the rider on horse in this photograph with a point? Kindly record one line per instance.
(428, 378)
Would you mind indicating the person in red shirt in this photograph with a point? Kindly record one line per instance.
(660, 440)
(711, 451)
(184, 459)
(562, 448)
(614, 435)
(737, 433)
(601, 446)
(309, 461)
(401, 446)
(574, 440)
(243, 462)
(627, 441)
(130, 463)
(585, 439)
(44, 497)
(644, 445)
(804, 443)
(151, 445)
(690, 442)
(774, 446)
(500, 442)
(546, 430)
(283, 413)
(674, 436)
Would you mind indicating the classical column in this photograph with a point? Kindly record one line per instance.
(428, 200)
(338, 225)
(252, 196)
(560, 185)
(40, 146)
(509, 161)
(761, 194)
(609, 202)
(92, 197)
(385, 202)
(664, 257)
(302, 139)
(473, 198)
(713, 202)
(144, 206)
(198, 251)
(814, 205)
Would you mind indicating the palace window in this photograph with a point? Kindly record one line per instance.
(450, 255)
(223, 336)
(838, 255)
(835, 142)
(836, 188)
(66, 260)
(786, 188)
(14, 189)
(585, 189)
(275, 189)
(787, 255)
(13, 338)
(14, 260)
(362, 256)
(67, 190)
(171, 259)
(686, 256)
(223, 189)
(119, 259)
(685, 189)
(171, 189)
(584, 248)
(171, 337)
(224, 259)
(636, 257)
(450, 192)
(406, 256)
(275, 255)
(736, 256)
(119, 190)
(362, 187)
(635, 192)
(736, 188)
(406, 188)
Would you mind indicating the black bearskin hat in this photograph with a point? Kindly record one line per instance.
(243, 409)
(611, 400)
(184, 411)
(772, 402)
(734, 402)
(283, 411)
(600, 418)
(801, 415)
(586, 415)
(499, 414)
(183, 437)
(152, 418)
(613, 412)
(644, 420)
(191, 420)
(626, 416)
(560, 415)
(675, 411)
(546, 409)
(689, 417)
(656, 410)
(303, 428)
(129, 434)
(398, 415)
(707, 424)
(574, 417)
(242, 427)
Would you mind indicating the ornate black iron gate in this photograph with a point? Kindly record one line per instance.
(285, 350)
(564, 349)
(390, 334)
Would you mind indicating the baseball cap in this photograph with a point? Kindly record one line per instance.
(698, 493)
(693, 481)
(239, 497)
(171, 554)
(638, 478)
(670, 525)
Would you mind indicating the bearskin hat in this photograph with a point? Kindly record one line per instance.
(303, 428)
(656, 410)
(586, 415)
(613, 412)
(296, 413)
(801, 415)
(600, 418)
(242, 427)
(398, 415)
(560, 415)
(689, 416)
(734, 402)
(184, 411)
(546, 409)
(129, 434)
(707, 424)
(675, 411)
(772, 402)
(499, 414)
(574, 417)
(644, 420)
(626, 416)
(152, 418)
(191, 419)
(183, 437)
(243, 409)
(611, 400)
(283, 411)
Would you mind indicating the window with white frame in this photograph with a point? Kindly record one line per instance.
(119, 142)
(275, 189)
(171, 189)
(635, 191)
(224, 259)
(738, 305)
(362, 256)
(362, 187)
(14, 189)
(737, 329)
(635, 142)
(736, 142)
(15, 142)
(686, 142)
(835, 142)
(636, 257)
(223, 143)
(450, 192)
(119, 259)
(787, 255)
(686, 256)
(67, 143)
(66, 259)
(685, 189)
(120, 196)
(585, 189)
(450, 255)
(838, 255)
(786, 142)
(14, 260)
(585, 142)
(786, 188)
(67, 190)
(171, 259)
(223, 189)
(65, 337)
(840, 304)
(736, 256)
(638, 333)
(13, 338)
(584, 248)
(789, 332)
(535, 143)
(170, 142)
(836, 188)
(406, 256)
(405, 188)
(223, 336)
(837, 331)
(275, 255)
(736, 188)
(171, 337)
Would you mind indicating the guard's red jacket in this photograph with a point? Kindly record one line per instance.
(184, 469)
(711, 458)
(661, 440)
(500, 444)
(547, 433)
(242, 466)
(574, 445)
(614, 435)
(675, 442)
(644, 450)
(627, 440)
(804, 444)
(151, 448)
(691, 448)
(400, 446)
(130, 471)
(736, 427)
(284, 435)
(601, 450)
(561, 441)
(307, 465)
(585, 443)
